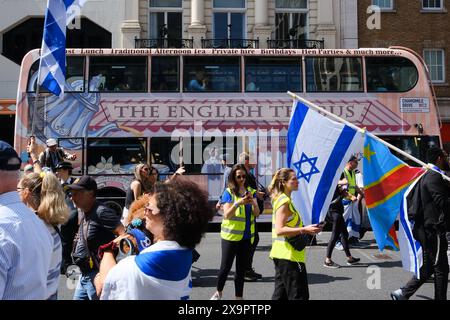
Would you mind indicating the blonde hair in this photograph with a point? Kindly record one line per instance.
(137, 208)
(47, 197)
(276, 185)
(145, 184)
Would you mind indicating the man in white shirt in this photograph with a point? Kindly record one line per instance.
(26, 245)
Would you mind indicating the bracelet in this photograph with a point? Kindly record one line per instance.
(36, 162)
(236, 205)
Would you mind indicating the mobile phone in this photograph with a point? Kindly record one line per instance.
(321, 224)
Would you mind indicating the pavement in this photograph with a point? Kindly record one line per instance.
(373, 278)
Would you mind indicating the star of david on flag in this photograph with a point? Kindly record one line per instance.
(317, 150)
(313, 168)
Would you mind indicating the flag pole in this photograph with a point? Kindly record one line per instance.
(351, 125)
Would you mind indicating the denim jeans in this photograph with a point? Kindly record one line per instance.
(85, 287)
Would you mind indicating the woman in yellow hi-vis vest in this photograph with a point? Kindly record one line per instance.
(290, 271)
(237, 230)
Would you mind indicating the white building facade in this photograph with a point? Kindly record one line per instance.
(130, 23)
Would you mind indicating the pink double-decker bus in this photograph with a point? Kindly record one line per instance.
(198, 106)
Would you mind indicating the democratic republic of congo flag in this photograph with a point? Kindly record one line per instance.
(386, 178)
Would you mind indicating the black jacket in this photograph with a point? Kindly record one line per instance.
(434, 201)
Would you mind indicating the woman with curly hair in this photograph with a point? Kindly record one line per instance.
(177, 214)
(42, 192)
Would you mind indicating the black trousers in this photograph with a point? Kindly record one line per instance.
(231, 249)
(339, 228)
(68, 231)
(291, 280)
(435, 261)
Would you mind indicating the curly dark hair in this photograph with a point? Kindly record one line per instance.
(185, 211)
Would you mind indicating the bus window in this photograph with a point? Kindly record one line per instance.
(416, 146)
(273, 74)
(118, 74)
(334, 74)
(161, 155)
(212, 74)
(165, 74)
(74, 76)
(115, 155)
(390, 74)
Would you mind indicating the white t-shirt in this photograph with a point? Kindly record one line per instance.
(160, 272)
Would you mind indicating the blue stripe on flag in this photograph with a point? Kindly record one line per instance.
(68, 3)
(412, 242)
(294, 128)
(335, 159)
(51, 84)
(55, 40)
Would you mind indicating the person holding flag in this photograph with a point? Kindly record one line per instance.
(431, 208)
(291, 280)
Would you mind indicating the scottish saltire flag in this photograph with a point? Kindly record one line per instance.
(385, 180)
(52, 67)
(410, 248)
(317, 150)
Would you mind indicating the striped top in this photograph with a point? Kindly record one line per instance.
(25, 251)
(55, 264)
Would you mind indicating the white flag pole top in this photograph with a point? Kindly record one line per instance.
(351, 125)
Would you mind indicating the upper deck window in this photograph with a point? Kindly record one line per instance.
(334, 74)
(273, 74)
(118, 74)
(391, 74)
(165, 74)
(74, 76)
(211, 74)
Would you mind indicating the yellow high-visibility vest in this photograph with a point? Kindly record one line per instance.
(281, 249)
(232, 229)
(351, 178)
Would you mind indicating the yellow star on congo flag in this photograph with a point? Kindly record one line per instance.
(367, 152)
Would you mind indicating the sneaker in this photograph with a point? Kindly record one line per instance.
(331, 264)
(216, 296)
(352, 261)
(249, 277)
(398, 295)
(339, 246)
(254, 274)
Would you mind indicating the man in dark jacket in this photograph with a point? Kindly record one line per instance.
(53, 155)
(430, 224)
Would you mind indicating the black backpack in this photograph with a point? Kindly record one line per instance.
(414, 205)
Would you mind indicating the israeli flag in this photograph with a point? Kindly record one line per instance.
(52, 66)
(410, 248)
(318, 150)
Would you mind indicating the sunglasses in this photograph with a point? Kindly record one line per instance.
(144, 169)
(151, 208)
(240, 177)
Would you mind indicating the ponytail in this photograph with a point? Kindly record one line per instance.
(53, 208)
(47, 197)
(276, 186)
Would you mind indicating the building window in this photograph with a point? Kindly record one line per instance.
(434, 58)
(166, 20)
(432, 4)
(229, 19)
(384, 4)
(291, 19)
